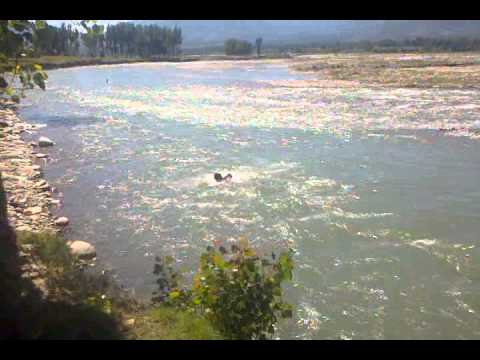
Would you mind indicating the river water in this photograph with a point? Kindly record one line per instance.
(381, 209)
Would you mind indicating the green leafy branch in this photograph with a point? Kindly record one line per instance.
(17, 78)
(239, 291)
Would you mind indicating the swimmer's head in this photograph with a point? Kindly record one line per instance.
(218, 177)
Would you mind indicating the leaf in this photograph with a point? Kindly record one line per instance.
(249, 252)
(9, 91)
(38, 80)
(218, 261)
(37, 67)
(174, 294)
(286, 266)
(40, 24)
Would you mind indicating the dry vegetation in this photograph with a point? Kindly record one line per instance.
(445, 71)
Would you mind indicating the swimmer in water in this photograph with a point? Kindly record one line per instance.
(219, 178)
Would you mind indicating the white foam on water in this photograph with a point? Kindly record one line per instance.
(422, 243)
(358, 216)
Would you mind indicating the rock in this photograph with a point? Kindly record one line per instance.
(33, 210)
(35, 218)
(44, 142)
(4, 123)
(41, 156)
(41, 183)
(62, 221)
(82, 249)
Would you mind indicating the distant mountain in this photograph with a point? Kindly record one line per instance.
(198, 33)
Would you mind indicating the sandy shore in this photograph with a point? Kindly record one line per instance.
(29, 197)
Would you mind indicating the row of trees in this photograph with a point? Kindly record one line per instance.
(123, 39)
(242, 47)
(128, 39)
(389, 45)
(51, 40)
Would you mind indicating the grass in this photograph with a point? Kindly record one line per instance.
(84, 305)
(50, 248)
(164, 323)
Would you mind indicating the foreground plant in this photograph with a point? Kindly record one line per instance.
(16, 42)
(239, 291)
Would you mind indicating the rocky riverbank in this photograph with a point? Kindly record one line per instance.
(29, 196)
(30, 199)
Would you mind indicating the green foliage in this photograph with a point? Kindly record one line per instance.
(128, 39)
(239, 291)
(167, 323)
(79, 304)
(68, 278)
(16, 40)
(238, 47)
(50, 248)
(168, 279)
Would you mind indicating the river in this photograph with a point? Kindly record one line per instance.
(381, 209)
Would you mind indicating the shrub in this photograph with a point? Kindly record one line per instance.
(239, 291)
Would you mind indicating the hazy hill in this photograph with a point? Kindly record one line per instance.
(214, 32)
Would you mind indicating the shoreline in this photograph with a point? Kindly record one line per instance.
(51, 64)
(30, 200)
(29, 196)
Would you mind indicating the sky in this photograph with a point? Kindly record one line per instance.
(101, 22)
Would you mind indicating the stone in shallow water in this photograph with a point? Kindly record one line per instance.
(82, 249)
(41, 156)
(44, 141)
(62, 221)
